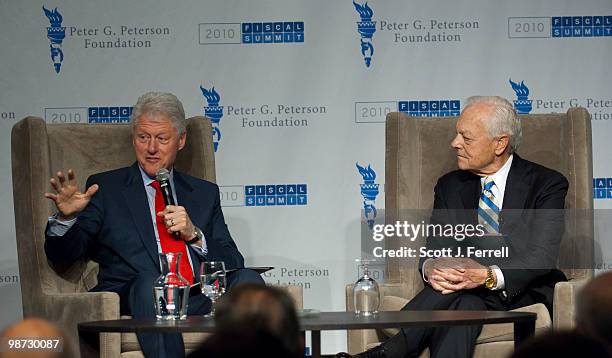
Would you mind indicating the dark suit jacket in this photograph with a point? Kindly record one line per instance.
(115, 229)
(530, 220)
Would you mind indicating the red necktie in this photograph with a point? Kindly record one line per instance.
(167, 242)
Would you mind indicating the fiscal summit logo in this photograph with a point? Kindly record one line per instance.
(251, 33)
(376, 112)
(56, 34)
(214, 112)
(430, 108)
(272, 32)
(602, 188)
(369, 192)
(366, 29)
(560, 27)
(276, 195)
(94, 114)
(581, 26)
(254, 195)
(109, 114)
(522, 103)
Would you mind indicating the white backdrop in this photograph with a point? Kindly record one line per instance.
(301, 107)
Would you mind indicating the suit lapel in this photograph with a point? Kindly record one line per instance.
(470, 194)
(137, 203)
(470, 191)
(515, 194)
(184, 195)
(517, 189)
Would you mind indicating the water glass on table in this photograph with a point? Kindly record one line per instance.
(366, 292)
(213, 282)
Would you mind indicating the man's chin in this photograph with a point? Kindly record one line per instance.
(151, 170)
(462, 163)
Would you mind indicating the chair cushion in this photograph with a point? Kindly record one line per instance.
(492, 349)
(132, 354)
(505, 331)
(129, 342)
(490, 332)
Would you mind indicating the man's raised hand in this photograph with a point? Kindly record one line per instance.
(67, 197)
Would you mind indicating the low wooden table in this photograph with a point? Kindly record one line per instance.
(524, 324)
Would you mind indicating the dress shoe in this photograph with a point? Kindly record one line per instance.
(376, 352)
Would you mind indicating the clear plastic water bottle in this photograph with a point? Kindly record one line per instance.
(366, 292)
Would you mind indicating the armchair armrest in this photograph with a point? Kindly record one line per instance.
(69, 309)
(297, 294)
(564, 303)
(359, 340)
(82, 306)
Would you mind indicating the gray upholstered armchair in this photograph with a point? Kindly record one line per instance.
(418, 152)
(40, 149)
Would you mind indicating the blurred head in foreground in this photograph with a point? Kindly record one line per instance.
(254, 321)
(562, 344)
(39, 329)
(594, 308)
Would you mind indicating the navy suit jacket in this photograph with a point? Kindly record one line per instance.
(530, 219)
(115, 229)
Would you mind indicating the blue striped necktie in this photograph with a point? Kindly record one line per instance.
(488, 211)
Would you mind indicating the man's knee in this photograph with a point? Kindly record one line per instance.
(430, 299)
(198, 305)
(141, 291)
(241, 276)
(143, 282)
(469, 301)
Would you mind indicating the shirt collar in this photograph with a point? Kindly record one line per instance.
(501, 176)
(147, 180)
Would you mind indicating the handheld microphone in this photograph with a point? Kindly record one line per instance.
(163, 177)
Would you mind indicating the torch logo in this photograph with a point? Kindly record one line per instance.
(369, 191)
(213, 111)
(56, 34)
(522, 104)
(366, 28)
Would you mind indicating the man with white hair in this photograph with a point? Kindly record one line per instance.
(493, 185)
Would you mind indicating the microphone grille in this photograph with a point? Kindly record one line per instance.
(162, 175)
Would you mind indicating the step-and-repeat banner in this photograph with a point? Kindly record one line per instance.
(297, 92)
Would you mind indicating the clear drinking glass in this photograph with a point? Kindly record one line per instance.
(170, 290)
(213, 281)
(366, 293)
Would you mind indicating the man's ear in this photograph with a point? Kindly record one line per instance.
(182, 140)
(501, 144)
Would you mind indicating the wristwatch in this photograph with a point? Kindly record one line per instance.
(198, 236)
(490, 280)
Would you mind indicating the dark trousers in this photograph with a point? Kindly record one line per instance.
(137, 300)
(454, 341)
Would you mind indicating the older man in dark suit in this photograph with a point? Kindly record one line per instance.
(510, 198)
(122, 223)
